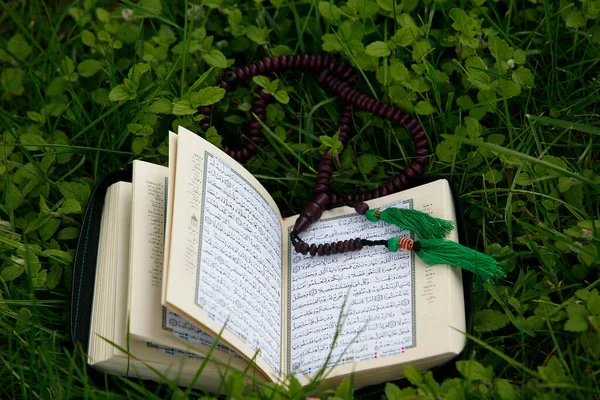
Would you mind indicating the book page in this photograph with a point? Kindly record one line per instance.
(377, 288)
(225, 267)
(398, 310)
(149, 320)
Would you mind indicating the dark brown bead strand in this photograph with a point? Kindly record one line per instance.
(338, 77)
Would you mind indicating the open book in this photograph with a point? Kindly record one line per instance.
(200, 249)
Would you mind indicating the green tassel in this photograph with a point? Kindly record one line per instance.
(422, 224)
(444, 251)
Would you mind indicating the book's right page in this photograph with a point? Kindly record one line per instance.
(397, 311)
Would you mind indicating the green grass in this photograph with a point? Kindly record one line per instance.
(523, 151)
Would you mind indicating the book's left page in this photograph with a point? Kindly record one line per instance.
(148, 319)
(226, 256)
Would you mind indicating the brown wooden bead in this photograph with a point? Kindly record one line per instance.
(383, 191)
(345, 91)
(323, 174)
(276, 64)
(301, 223)
(312, 210)
(304, 248)
(422, 161)
(327, 249)
(417, 168)
(358, 242)
(347, 73)
(333, 248)
(403, 179)
(268, 64)
(240, 74)
(261, 67)
(246, 70)
(223, 84)
(422, 144)
(313, 250)
(397, 115)
(412, 125)
(346, 246)
(397, 183)
(322, 199)
(422, 152)
(323, 181)
(297, 246)
(259, 103)
(419, 136)
(404, 119)
(245, 154)
(304, 60)
(320, 188)
(204, 110)
(351, 245)
(253, 70)
(390, 187)
(251, 148)
(283, 63)
(340, 247)
(255, 125)
(410, 173)
(320, 249)
(390, 113)
(204, 126)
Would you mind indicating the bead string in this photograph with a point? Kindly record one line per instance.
(336, 76)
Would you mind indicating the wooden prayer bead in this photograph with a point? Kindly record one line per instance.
(351, 245)
(240, 74)
(320, 188)
(419, 136)
(322, 199)
(422, 152)
(301, 223)
(412, 125)
(313, 250)
(361, 208)
(417, 168)
(320, 249)
(340, 247)
(422, 144)
(402, 177)
(326, 168)
(358, 242)
(253, 70)
(276, 64)
(410, 173)
(422, 161)
(327, 249)
(333, 248)
(304, 248)
(312, 211)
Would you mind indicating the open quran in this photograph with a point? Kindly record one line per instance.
(199, 250)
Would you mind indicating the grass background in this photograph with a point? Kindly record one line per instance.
(508, 95)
